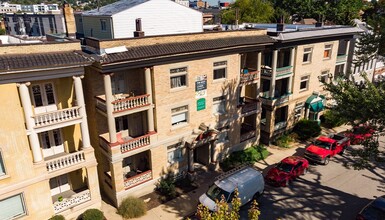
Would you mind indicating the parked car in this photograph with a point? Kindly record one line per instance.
(375, 210)
(325, 147)
(360, 134)
(287, 170)
(247, 180)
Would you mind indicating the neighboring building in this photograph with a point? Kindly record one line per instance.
(41, 8)
(223, 5)
(293, 72)
(199, 4)
(47, 163)
(171, 103)
(211, 15)
(5, 7)
(182, 2)
(118, 20)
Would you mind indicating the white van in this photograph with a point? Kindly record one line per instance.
(247, 180)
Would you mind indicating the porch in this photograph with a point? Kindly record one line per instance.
(248, 131)
(136, 169)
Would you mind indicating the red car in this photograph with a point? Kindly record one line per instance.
(360, 134)
(287, 170)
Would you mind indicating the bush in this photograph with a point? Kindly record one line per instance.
(166, 186)
(247, 156)
(330, 119)
(284, 141)
(306, 129)
(132, 207)
(93, 214)
(57, 217)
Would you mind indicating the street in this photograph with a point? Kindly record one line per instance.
(325, 192)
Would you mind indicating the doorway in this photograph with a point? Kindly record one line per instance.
(202, 154)
(59, 184)
(43, 97)
(51, 142)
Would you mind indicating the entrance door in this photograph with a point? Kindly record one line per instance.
(202, 154)
(59, 184)
(51, 142)
(118, 84)
(43, 98)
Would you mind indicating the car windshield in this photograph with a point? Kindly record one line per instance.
(322, 144)
(285, 167)
(215, 193)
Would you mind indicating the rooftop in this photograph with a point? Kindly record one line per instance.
(115, 7)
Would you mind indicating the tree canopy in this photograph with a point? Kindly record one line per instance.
(254, 11)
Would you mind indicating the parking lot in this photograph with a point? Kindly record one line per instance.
(335, 191)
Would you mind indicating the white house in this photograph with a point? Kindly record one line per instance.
(158, 17)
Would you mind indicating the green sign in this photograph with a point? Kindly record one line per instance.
(201, 104)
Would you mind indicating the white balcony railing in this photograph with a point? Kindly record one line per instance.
(65, 161)
(130, 103)
(72, 201)
(284, 70)
(280, 125)
(138, 179)
(49, 118)
(135, 143)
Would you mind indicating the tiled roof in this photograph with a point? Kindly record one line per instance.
(15, 62)
(175, 49)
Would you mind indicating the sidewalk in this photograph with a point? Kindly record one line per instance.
(186, 204)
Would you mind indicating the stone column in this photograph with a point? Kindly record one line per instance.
(191, 160)
(110, 108)
(346, 52)
(289, 85)
(292, 57)
(273, 74)
(30, 122)
(82, 110)
(259, 61)
(116, 168)
(150, 112)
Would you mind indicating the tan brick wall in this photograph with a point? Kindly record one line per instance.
(39, 47)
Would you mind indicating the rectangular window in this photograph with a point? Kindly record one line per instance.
(12, 207)
(103, 25)
(324, 76)
(328, 51)
(298, 109)
(304, 83)
(220, 69)
(307, 55)
(175, 153)
(179, 115)
(219, 105)
(2, 168)
(178, 77)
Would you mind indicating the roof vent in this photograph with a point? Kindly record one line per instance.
(138, 28)
(115, 50)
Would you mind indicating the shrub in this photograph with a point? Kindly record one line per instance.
(93, 214)
(57, 217)
(166, 186)
(330, 119)
(306, 129)
(247, 156)
(283, 141)
(132, 207)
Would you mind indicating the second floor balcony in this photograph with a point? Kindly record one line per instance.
(249, 105)
(247, 132)
(123, 102)
(248, 76)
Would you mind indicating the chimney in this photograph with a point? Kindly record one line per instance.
(318, 24)
(281, 25)
(69, 20)
(138, 25)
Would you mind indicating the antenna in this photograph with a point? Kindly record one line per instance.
(98, 4)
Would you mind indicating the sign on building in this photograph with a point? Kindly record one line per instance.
(201, 104)
(201, 86)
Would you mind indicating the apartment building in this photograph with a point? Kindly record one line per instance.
(294, 70)
(47, 163)
(171, 104)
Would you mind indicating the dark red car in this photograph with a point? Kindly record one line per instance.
(360, 134)
(287, 170)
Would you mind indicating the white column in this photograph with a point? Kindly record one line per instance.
(346, 53)
(150, 112)
(82, 111)
(292, 56)
(110, 108)
(259, 61)
(289, 86)
(190, 160)
(273, 74)
(30, 122)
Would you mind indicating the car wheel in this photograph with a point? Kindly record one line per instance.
(343, 151)
(304, 171)
(326, 161)
(287, 182)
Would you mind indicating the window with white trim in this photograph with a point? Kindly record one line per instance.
(219, 105)
(175, 153)
(2, 168)
(307, 52)
(179, 115)
(304, 83)
(178, 77)
(220, 70)
(328, 51)
(323, 78)
(12, 207)
(298, 110)
(103, 25)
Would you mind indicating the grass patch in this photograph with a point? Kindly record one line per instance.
(247, 156)
(284, 140)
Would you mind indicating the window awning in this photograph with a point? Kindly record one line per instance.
(315, 103)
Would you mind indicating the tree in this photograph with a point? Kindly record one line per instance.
(253, 11)
(374, 15)
(223, 212)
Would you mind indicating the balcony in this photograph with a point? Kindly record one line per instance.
(124, 144)
(65, 161)
(56, 117)
(266, 71)
(276, 101)
(123, 102)
(70, 199)
(280, 125)
(137, 179)
(248, 76)
(341, 58)
(247, 132)
(284, 71)
(249, 105)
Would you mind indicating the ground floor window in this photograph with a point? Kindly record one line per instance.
(12, 207)
(175, 153)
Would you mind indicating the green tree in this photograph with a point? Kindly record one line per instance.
(374, 15)
(256, 11)
(2, 31)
